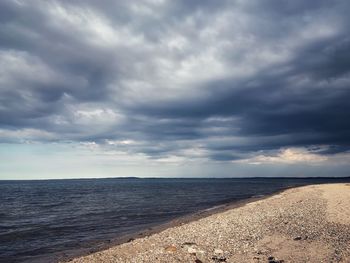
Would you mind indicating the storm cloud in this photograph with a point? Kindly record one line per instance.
(214, 80)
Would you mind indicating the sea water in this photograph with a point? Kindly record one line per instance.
(44, 219)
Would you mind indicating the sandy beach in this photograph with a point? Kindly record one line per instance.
(305, 224)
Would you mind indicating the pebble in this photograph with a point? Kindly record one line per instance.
(218, 251)
(171, 249)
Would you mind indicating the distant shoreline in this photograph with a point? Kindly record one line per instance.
(180, 178)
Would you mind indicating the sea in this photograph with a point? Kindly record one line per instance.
(47, 220)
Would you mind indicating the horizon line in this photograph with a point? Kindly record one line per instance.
(136, 177)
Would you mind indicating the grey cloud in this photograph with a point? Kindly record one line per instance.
(294, 96)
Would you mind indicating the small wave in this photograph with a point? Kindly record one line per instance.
(214, 207)
(258, 196)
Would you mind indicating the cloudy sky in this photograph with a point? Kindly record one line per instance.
(174, 88)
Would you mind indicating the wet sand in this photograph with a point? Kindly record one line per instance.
(305, 224)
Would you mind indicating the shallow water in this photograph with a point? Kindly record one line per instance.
(44, 218)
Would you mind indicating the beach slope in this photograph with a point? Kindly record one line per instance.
(305, 224)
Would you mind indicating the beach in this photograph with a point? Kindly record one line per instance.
(303, 224)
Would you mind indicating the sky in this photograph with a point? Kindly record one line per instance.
(186, 88)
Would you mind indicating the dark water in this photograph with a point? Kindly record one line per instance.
(39, 219)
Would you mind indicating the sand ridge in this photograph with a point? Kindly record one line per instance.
(305, 224)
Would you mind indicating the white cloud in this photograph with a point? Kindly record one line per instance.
(26, 135)
(288, 156)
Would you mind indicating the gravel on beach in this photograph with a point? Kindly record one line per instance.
(305, 224)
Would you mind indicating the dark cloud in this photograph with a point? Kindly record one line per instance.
(230, 79)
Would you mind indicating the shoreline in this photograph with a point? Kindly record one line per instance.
(179, 221)
(294, 217)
